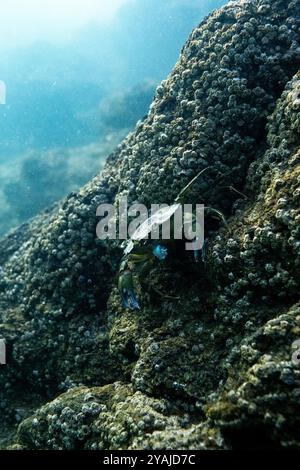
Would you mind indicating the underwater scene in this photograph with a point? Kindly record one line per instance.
(149, 226)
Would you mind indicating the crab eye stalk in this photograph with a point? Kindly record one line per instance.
(160, 252)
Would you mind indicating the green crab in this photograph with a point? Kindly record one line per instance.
(140, 253)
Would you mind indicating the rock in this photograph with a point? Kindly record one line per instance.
(215, 368)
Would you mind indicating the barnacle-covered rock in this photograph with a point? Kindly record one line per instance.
(111, 417)
(213, 363)
(262, 402)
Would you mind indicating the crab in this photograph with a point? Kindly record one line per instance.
(141, 253)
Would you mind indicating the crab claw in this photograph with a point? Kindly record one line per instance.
(197, 255)
(201, 251)
(161, 252)
(129, 299)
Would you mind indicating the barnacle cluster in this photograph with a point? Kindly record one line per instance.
(214, 368)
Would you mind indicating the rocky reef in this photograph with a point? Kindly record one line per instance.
(215, 366)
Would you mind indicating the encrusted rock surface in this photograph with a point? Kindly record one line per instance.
(216, 368)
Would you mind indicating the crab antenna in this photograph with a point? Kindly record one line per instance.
(187, 187)
(219, 213)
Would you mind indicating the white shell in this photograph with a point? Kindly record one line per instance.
(158, 218)
(129, 247)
